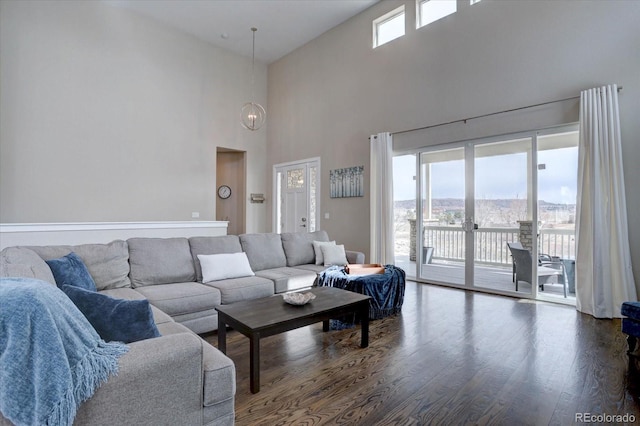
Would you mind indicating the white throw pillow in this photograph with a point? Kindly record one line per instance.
(334, 255)
(318, 251)
(223, 266)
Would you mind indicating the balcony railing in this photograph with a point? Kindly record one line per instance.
(490, 244)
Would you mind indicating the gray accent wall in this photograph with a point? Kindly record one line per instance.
(108, 116)
(327, 97)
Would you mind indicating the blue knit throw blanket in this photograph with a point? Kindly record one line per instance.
(51, 358)
(386, 291)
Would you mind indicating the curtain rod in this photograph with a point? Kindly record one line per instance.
(464, 120)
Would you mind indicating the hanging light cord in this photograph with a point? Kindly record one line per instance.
(253, 63)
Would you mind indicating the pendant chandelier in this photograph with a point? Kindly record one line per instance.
(253, 114)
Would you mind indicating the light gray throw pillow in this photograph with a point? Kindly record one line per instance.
(224, 266)
(317, 249)
(334, 255)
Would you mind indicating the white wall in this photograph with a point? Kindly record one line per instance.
(327, 97)
(109, 116)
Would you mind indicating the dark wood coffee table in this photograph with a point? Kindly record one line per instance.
(271, 315)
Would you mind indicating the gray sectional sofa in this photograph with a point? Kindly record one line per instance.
(177, 378)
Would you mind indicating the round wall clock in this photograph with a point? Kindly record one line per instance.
(224, 192)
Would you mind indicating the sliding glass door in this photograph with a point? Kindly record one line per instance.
(557, 173)
(502, 212)
(496, 214)
(472, 199)
(404, 212)
(442, 252)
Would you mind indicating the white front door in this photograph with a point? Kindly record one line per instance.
(294, 199)
(296, 189)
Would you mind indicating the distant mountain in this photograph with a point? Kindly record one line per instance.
(456, 203)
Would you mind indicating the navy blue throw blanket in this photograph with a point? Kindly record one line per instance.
(386, 291)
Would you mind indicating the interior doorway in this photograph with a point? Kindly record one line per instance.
(297, 196)
(231, 172)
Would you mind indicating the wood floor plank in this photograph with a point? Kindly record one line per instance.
(450, 357)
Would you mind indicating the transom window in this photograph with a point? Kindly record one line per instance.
(388, 27)
(432, 10)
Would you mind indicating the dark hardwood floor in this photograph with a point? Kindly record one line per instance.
(450, 357)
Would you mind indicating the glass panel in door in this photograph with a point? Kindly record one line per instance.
(502, 216)
(294, 199)
(313, 195)
(557, 192)
(404, 212)
(440, 250)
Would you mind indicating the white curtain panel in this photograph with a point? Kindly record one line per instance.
(381, 209)
(604, 278)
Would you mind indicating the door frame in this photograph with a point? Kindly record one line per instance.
(469, 146)
(532, 203)
(309, 162)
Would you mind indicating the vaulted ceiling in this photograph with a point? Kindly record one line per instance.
(283, 25)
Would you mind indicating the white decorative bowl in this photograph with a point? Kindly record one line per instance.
(298, 298)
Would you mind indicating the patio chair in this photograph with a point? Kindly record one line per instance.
(546, 270)
(541, 257)
(518, 245)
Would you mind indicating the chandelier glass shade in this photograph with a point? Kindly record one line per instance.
(253, 114)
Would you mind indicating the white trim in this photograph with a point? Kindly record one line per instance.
(383, 20)
(419, 16)
(95, 226)
(293, 163)
(14, 234)
(274, 208)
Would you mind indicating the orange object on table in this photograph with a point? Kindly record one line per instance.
(364, 269)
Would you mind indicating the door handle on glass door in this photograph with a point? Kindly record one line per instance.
(467, 225)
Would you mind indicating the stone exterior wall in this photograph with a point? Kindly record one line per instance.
(526, 234)
(412, 240)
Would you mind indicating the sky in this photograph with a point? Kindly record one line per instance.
(497, 177)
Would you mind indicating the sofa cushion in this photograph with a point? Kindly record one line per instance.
(298, 246)
(123, 293)
(25, 263)
(160, 261)
(199, 322)
(314, 268)
(116, 320)
(264, 251)
(108, 264)
(212, 245)
(181, 298)
(159, 317)
(224, 266)
(71, 270)
(287, 279)
(238, 289)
